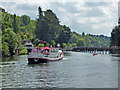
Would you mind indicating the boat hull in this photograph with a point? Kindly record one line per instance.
(35, 60)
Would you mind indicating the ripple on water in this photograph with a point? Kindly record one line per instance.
(77, 70)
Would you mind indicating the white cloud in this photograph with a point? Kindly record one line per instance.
(60, 9)
(98, 18)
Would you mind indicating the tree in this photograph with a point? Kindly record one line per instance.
(47, 45)
(83, 34)
(81, 42)
(18, 38)
(52, 42)
(5, 49)
(65, 35)
(15, 26)
(115, 36)
(73, 39)
(23, 50)
(73, 45)
(40, 45)
(64, 44)
(0, 42)
(47, 26)
(87, 40)
(40, 12)
(25, 19)
(10, 37)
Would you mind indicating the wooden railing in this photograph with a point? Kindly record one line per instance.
(102, 50)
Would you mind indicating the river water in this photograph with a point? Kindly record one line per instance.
(75, 70)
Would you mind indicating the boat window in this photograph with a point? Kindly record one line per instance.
(46, 50)
(28, 45)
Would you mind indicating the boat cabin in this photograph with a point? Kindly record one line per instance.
(46, 50)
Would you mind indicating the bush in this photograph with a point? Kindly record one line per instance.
(23, 50)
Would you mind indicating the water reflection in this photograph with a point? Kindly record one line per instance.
(115, 55)
(7, 59)
(42, 74)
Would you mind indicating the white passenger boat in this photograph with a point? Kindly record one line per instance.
(43, 55)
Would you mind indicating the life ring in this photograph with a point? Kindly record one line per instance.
(35, 59)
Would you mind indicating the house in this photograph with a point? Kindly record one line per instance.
(27, 44)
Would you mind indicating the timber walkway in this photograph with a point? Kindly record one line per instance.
(101, 50)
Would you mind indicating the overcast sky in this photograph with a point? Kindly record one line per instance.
(98, 17)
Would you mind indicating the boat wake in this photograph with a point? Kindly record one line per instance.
(66, 59)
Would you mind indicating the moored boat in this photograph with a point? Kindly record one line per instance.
(43, 55)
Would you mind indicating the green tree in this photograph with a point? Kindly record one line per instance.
(18, 38)
(10, 37)
(68, 46)
(52, 42)
(115, 36)
(15, 26)
(23, 50)
(25, 19)
(83, 34)
(73, 39)
(64, 44)
(65, 35)
(40, 45)
(5, 49)
(73, 45)
(81, 42)
(87, 40)
(47, 44)
(23, 29)
(47, 25)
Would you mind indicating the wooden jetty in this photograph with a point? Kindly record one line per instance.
(101, 50)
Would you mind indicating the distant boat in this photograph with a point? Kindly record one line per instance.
(95, 54)
(43, 55)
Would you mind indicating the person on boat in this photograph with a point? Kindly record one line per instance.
(60, 51)
(33, 50)
(39, 48)
(46, 51)
(50, 46)
(42, 50)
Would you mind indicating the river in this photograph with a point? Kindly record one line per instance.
(75, 70)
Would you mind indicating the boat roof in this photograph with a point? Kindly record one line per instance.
(46, 47)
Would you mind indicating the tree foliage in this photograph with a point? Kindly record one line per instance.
(40, 45)
(115, 36)
(25, 19)
(65, 35)
(47, 28)
(10, 38)
(15, 26)
(5, 49)
(81, 42)
(90, 40)
(15, 29)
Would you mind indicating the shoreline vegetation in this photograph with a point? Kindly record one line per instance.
(46, 27)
